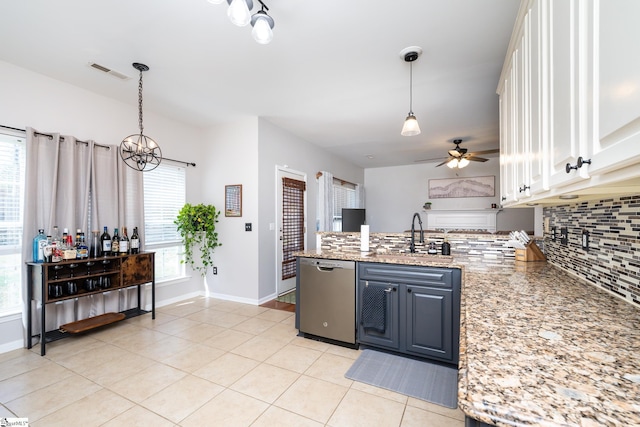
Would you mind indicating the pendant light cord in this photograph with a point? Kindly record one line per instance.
(411, 87)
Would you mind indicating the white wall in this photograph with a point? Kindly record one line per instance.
(393, 194)
(279, 147)
(231, 157)
(30, 99)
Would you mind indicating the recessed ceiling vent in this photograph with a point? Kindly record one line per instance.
(109, 71)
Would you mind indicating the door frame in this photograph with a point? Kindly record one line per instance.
(278, 215)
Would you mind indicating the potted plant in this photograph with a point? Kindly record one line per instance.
(197, 226)
(427, 205)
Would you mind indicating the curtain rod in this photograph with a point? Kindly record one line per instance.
(108, 147)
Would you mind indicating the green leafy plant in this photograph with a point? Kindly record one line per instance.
(197, 226)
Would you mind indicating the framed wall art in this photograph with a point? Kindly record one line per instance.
(477, 186)
(233, 200)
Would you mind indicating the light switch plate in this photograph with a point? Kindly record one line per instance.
(564, 235)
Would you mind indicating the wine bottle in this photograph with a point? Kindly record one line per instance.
(105, 242)
(115, 243)
(124, 242)
(135, 241)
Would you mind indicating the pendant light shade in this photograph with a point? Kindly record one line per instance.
(410, 127)
(139, 151)
(239, 12)
(262, 26)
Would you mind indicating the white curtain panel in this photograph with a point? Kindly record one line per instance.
(325, 201)
(61, 174)
(359, 196)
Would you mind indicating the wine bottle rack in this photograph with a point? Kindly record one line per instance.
(50, 283)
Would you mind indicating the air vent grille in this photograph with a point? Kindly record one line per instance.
(109, 71)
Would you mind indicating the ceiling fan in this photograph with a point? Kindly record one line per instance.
(459, 157)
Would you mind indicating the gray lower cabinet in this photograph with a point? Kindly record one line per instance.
(410, 309)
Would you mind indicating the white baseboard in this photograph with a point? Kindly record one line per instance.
(10, 346)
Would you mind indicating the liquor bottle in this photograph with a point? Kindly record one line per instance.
(105, 242)
(39, 242)
(65, 234)
(82, 248)
(78, 231)
(115, 243)
(56, 245)
(135, 241)
(124, 242)
(48, 250)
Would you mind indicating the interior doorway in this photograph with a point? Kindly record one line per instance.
(291, 218)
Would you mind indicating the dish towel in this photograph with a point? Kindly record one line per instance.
(374, 308)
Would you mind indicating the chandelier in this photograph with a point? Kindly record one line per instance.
(410, 127)
(239, 13)
(139, 151)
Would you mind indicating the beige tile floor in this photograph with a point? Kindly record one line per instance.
(201, 362)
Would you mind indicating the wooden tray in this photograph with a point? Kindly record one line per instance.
(92, 322)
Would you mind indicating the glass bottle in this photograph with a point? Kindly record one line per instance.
(135, 241)
(83, 249)
(105, 242)
(39, 242)
(115, 243)
(96, 245)
(124, 242)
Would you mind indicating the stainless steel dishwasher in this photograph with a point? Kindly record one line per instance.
(327, 299)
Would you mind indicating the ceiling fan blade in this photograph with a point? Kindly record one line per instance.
(495, 150)
(455, 153)
(429, 160)
(444, 163)
(476, 159)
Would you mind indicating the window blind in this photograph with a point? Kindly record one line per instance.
(164, 196)
(292, 224)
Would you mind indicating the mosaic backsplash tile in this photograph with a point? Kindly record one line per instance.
(613, 258)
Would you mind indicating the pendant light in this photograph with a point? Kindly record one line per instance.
(410, 127)
(139, 151)
(262, 25)
(239, 12)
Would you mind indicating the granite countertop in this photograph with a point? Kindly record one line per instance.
(538, 346)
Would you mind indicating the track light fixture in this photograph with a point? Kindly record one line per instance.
(239, 13)
(410, 127)
(139, 151)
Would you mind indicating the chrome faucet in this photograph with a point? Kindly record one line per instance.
(412, 248)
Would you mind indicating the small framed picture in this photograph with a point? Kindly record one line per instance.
(233, 200)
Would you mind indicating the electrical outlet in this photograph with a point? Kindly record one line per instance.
(564, 235)
(554, 231)
(247, 226)
(215, 270)
(585, 240)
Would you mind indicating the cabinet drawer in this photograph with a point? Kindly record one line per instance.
(409, 274)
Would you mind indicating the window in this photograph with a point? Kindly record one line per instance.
(12, 179)
(344, 196)
(164, 196)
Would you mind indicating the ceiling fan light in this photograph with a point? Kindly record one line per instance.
(462, 163)
(452, 164)
(262, 27)
(238, 12)
(411, 126)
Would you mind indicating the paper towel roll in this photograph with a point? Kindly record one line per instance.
(364, 238)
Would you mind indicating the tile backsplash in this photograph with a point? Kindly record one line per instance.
(613, 258)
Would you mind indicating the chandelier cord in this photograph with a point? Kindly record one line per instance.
(140, 104)
(411, 87)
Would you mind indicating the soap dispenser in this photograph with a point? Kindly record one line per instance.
(446, 247)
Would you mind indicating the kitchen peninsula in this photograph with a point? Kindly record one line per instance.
(537, 346)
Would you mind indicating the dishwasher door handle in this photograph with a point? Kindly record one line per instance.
(389, 290)
(327, 269)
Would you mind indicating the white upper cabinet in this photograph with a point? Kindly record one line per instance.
(570, 98)
(614, 107)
